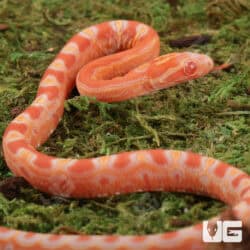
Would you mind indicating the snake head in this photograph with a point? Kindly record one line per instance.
(175, 68)
(196, 65)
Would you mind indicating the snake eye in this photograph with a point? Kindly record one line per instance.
(190, 68)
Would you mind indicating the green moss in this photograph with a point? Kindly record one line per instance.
(194, 116)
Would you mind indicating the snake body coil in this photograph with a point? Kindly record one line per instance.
(115, 61)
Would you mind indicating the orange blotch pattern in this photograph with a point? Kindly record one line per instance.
(69, 60)
(16, 145)
(22, 128)
(238, 179)
(34, 112)
(83, 43)
(122, 160)
(43, 161)
(54, 237)
(221, 170)
(111, 238)
(84, 238)
(139, 238)
(244, 191)
(51, 91)
(82, 166)
(193, 160)
(60, 76)
(159, 156)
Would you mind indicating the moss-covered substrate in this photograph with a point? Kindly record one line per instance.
(209, 115)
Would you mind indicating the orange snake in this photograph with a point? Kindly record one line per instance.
(127, 66)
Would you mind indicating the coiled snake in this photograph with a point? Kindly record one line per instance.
(127, 66)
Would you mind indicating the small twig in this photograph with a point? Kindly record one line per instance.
(159, 117)
(234, 113)
(100, 128)
(175, 134)
(147, 127)
(93, 153)
(129, 139)
(105, 206)
(236, 106)
(190, 40)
